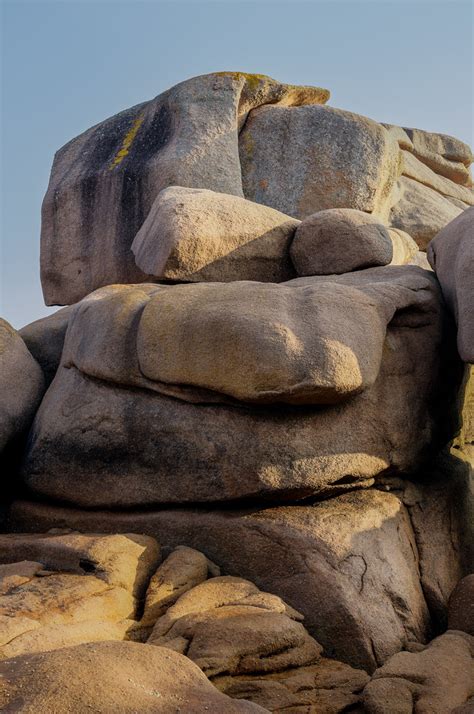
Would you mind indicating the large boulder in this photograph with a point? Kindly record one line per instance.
(313, 343)
(300, 160)
(451, 254)
(435, 679)
(339, 240)
(21, 385)
(350, 564)
(119, 677)
(198, 235)
(104, 182)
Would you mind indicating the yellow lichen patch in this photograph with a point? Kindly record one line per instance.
(127, 142)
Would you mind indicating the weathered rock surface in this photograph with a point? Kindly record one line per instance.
(421, 211)
(200, 235)
(415, 169)
(436, 679)
(451, 254)
(21, 385)
(340, 240)
(300, 160)
(226, 625)
(62, 590)
(182, 570)
(328, 686)
(349, 564)
(252, 646)
(104, 182)
(405, 250)
(461, 606)
(250, 342)
(123, 677)
(444, 154)
(45, 339)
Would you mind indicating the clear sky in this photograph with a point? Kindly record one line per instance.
(67, 65)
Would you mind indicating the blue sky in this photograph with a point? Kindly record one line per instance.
(66, 65)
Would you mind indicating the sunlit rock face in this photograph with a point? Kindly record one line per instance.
(217, 392)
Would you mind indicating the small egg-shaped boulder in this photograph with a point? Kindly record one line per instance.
(340, 240)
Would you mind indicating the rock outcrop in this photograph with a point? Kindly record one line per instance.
(252, 410)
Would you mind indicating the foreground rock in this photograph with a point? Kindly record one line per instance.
(451, 254)
(436, 679)
(61, 590)
(351, 564)
(300, 160)
(198, 235)
(104, 182)
(201, 429)
(123, 677)
(252, 646)
(21, 385)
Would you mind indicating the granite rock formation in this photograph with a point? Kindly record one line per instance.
(256, 410)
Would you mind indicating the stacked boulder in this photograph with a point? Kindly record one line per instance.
(258, 360)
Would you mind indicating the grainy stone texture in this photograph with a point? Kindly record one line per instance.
(339, 240)
(92, 409)
(21, 385)
(104, 182)
(350, 564)
(300, 160)
(417, 170)
(62, 590)
(421, 212)
(461, 606)
(200, 235)
(444, 154)
(451, 254)
(182, 570)
(436, 679)
(119, 677)
(45, 339)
